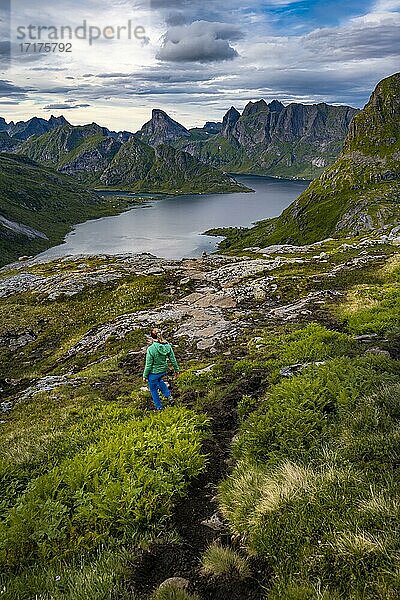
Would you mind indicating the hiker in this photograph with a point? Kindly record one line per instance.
(156, 366)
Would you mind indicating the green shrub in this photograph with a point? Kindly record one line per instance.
(373, 310)
(309, 344)
(197, 385)
(122, 485)
(246, 405)
(101, 578)
(368, 433)
(218, 560)
(313, 523)
(295, 419)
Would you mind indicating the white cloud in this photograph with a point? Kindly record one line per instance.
(386, 6)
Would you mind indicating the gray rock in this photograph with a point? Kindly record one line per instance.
(292, 370)
(378, 351)
(205, 370)
(367, 337)
(14, 342)
(290, 312)
(179, 583)
(5, 407)
(47, 384)
(214, 523)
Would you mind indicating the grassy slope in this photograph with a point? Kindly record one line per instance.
(39, 197)
(315, 488)
(313, 492)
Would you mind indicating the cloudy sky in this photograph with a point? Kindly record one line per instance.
(192, 58)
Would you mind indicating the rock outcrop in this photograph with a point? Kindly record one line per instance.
(360, 192)
(297, 140)
(161, 129)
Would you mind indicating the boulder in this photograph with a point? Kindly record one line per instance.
(179, 583)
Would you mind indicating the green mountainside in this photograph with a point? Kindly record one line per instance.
(97, 159)
(272, 472)
(294, 141)
(137, 166)
(358, 193)
(38, 206)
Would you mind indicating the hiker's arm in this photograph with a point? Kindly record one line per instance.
(148, 365)
(173, 361)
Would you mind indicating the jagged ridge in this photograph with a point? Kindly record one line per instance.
(358, 193)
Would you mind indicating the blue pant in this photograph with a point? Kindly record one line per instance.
(156, 383)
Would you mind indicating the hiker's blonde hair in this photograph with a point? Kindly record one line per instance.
(157, 334)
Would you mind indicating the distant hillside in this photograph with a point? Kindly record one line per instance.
(83, 151)
(38, 206)
(358, 193)
(295, 141)
(95, 158)
(139, 167)
(22, 130)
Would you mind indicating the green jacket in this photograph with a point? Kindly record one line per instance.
(157, 356)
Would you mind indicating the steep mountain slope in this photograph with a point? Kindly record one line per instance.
(38, 205)
(7, 143)
(359, 192)
(137, 166)
(59, 146)
(94, 158)
(35, 126)
(293, 141)
(283, 434)
(161, 129)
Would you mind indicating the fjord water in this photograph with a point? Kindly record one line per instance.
(171, 227)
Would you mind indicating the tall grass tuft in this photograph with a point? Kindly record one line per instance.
(218, 560)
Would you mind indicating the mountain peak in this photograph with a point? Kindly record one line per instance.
(58, 121)
(229, 121)
(3, 124)
(376, 128)
(162, 129)
(255, 107)
(276, 106)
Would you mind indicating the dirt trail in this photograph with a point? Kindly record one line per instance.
(163, 561)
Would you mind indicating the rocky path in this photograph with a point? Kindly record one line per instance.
(228, 294)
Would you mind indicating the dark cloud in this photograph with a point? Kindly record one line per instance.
(64, 106)
(8, 89)
(357, 41)
(177, 18)
(47, 68)
(112, 75)
(201, 41)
